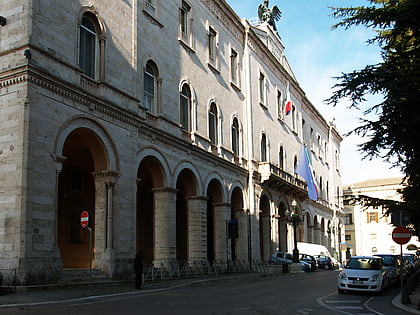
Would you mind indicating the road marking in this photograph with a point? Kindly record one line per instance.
(342, 301)
(349, 307)
(304, 311)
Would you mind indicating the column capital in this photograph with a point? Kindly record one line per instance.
(105, 174)
(165, 190)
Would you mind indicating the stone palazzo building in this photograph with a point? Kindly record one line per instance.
(164, 120)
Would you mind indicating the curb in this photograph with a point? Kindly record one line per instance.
(396, 302)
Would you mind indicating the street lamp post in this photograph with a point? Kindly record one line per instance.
(293, 217)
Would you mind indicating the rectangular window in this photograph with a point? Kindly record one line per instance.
(311, 139)
(372, 217)
(348, 219)
(212, 49)
(234, 66)
(294, 118)
(348, 237)
(262, 88)
(184, 21)
(280, 106)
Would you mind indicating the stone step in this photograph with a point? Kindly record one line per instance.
(76, 275)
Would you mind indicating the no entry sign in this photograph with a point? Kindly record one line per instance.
(401, 235)
(84, 219)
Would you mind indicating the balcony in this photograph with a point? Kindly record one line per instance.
(282, 181)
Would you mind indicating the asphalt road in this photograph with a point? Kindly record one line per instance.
(306, 293)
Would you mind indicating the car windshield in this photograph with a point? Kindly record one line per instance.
(388, 260)
(364, 263)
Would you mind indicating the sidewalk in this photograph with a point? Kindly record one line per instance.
(414, 299)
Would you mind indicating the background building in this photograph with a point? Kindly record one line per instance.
(369, 230)
(164, 120)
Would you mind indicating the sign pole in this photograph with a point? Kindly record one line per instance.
(84, 222)
(401, 235)
(90, 257)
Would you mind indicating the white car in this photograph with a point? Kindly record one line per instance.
(363, 273)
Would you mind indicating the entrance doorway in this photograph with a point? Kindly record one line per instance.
(76, 193)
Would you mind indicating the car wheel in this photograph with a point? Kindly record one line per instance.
(326, 267)
(340, 291)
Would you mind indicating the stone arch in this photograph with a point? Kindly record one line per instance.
(309, 227)
(317, 230)
(186, 186)
(163, 163)
(239, 218)
(104, 144)
(265, 227)
(84, 183)
(150, 181)
(182, 166)
(282, 226)
(216, 220)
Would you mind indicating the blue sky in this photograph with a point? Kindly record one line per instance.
(316, 54)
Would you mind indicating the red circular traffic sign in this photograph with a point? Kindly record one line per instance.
(84, 219)
(401, 235)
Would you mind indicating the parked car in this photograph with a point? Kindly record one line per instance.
(392, 263)
(325, 262)
(363, 273)
(310, 260)
(281, 258)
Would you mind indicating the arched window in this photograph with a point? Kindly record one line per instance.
(150, 87)
(235, 136)
(263, 148)
(281, 158)
(213, 123)
(92, 39)
(87, 46)
(185, 107)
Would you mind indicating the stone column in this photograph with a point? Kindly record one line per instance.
(104, 257)
(265, 225)
(243, 234)
(317, 235)
(164, 225)
(221, 214)
(310, 233)
(58, 160)
(197, 229)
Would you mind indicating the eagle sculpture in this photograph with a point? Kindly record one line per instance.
(270, 16)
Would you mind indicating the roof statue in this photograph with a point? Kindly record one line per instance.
(270, 16)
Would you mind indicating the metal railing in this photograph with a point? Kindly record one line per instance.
(174, 270)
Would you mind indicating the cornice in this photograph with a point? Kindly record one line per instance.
(226, 16)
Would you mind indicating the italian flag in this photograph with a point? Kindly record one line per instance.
(288, 105)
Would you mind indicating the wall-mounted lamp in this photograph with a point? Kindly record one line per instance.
(27, 53)
(2, 21)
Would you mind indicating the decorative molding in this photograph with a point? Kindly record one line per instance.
(220, 14)
(105, 174)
